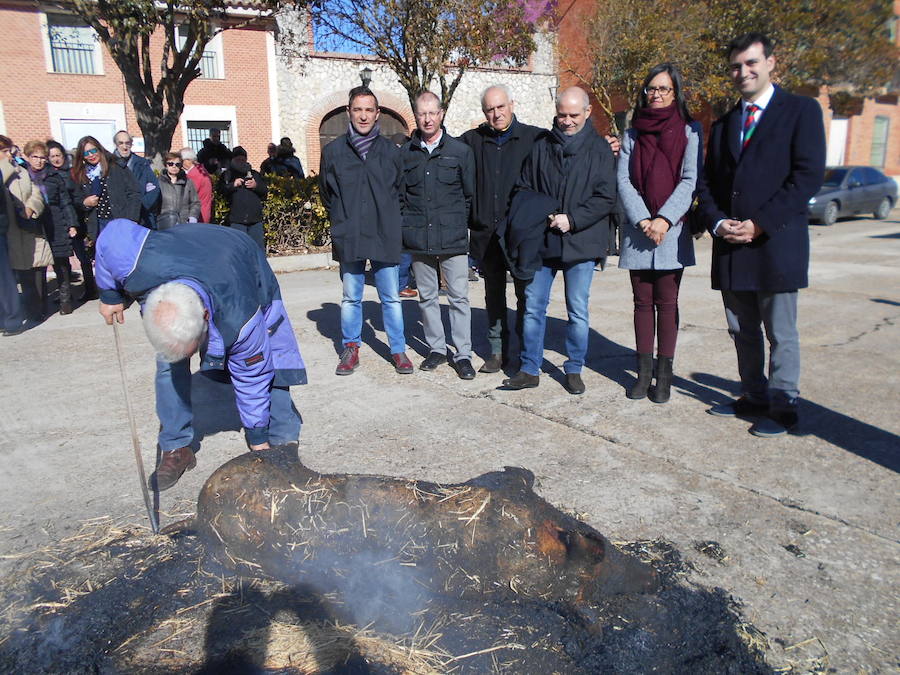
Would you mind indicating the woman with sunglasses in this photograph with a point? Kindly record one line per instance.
(29, 252)
(104, 190)
(660, 157)
(180, 202)
(59, 220)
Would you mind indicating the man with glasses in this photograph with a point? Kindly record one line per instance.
(143, 174)
(438, 186)
(766, 159)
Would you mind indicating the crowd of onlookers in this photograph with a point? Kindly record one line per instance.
(56, 203)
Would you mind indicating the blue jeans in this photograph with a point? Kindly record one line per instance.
(577, 277)
(173, 407)
(404, 271)
(353, 274)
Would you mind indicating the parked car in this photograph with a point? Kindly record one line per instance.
(849, 190)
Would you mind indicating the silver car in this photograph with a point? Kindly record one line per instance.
(849, 190)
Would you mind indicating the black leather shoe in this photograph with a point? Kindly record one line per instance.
(433, 360)
(574, 383)
(492, 364)
(464, 369)
(522, 380)
(741, 407)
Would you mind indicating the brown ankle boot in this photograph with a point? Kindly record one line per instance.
(171, 466)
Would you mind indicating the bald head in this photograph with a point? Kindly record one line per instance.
(573, 108)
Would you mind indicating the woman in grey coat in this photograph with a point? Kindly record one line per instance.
(657, 173)
(179, 201)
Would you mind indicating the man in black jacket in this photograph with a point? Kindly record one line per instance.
(574, 165)
(359, 181)
(245, 189)
(500, 146)
(142, 171)
(438, 184)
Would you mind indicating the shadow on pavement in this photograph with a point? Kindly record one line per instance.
(862, 439)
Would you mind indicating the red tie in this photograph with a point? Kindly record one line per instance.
(750, 123)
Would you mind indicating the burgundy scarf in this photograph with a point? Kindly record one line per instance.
(655, 167)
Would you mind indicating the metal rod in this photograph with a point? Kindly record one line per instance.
(154, 525)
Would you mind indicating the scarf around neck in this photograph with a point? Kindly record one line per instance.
(362, 144)
(38, 178)
(655, 167)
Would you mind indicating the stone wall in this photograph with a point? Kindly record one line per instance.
(310, 85)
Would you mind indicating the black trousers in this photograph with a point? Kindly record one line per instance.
(493, 271)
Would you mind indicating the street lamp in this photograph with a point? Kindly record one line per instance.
(365, 76)
(553, 88)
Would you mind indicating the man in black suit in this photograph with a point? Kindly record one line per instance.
(766, 159)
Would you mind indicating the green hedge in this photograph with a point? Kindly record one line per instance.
(293, 215)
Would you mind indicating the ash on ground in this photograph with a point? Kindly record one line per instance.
(117, 599)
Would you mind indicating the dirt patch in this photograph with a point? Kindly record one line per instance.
(116, 599)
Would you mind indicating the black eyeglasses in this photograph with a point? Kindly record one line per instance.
(662, 91)
(173, 163)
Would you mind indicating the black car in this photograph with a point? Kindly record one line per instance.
(849, 190)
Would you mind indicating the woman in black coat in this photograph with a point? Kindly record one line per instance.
(58, 218)
(59, 160)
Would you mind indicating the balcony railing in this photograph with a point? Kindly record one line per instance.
(73, 57)
(209, 68)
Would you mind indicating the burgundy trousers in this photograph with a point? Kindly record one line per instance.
(656, 309)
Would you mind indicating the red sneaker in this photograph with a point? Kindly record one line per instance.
(408, 293)
(349, 359)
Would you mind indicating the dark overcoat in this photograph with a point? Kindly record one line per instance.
(363, 200)
(497, 168)
(769, 182)
(59, 215)
(581, 176)
(436, 196)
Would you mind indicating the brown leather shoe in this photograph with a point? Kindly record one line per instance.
(171, 467)
(402, 364)
(349, 359)
(408, 293)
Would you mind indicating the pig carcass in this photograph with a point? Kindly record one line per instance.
(375, 534)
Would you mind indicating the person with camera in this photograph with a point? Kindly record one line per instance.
(245, 189)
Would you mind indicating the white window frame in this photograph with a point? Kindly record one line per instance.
(209, 113)
(214, 46)
(48, 52)
(58, 111)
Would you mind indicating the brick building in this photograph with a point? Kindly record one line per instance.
(58, 81)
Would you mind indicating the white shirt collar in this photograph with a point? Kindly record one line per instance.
(762, 102)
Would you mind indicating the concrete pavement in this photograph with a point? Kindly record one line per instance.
(808, 523)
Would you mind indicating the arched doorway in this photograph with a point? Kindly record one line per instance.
(335, 123)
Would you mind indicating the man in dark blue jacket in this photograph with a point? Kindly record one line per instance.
(766, 158)
(359, 182)
(500, 146)
(436, 197)
(575, 166)
(143, 174)
(207, 288)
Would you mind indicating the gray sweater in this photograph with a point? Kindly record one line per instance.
(638, 252)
